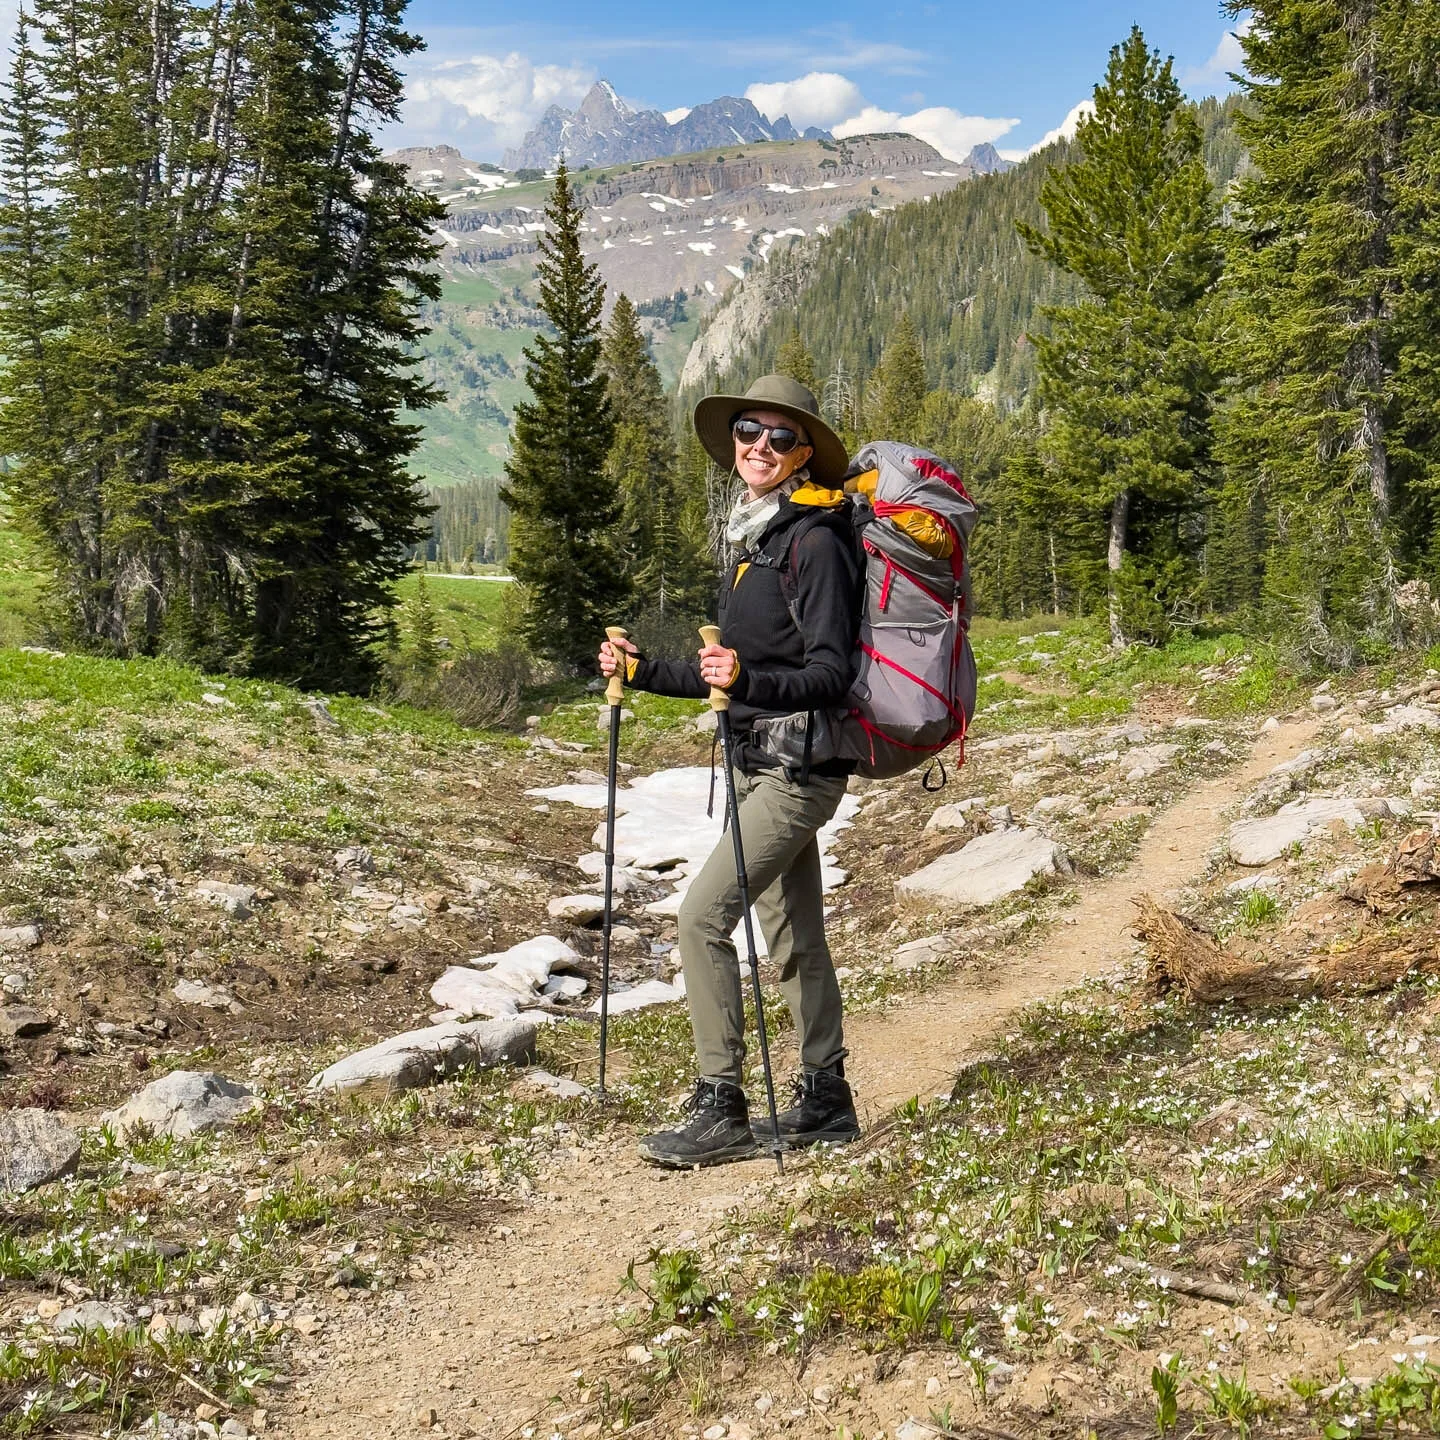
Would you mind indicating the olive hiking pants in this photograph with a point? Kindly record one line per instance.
(778, 821)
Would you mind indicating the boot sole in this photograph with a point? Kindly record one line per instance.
(843, 1136)
(698, 1162)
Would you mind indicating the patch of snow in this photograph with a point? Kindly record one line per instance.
(446, 236)
(703, 247)
(656, 205)
(780, 189)
(736, 271)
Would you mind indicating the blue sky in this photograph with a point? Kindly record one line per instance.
(956, 73)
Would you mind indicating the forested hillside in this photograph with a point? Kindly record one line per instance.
(960, 270)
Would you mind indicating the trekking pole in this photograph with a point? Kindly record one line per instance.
(720, 704)
(614, 697)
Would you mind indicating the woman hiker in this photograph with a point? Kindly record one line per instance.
(791, 514)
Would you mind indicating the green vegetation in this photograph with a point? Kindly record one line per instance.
(563, 503)
(20, 617)
(206, 329)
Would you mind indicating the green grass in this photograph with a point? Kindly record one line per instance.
(467, 611)
(20, 597)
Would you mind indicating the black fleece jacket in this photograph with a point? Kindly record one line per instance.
(782, 669)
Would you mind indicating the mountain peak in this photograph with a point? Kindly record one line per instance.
(986, 160)
(604, 130)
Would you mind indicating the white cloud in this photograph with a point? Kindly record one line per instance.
(820, 98)
(485, 102)
(954, 135)
(1065, 130)
(1229, 58)
(836, 103)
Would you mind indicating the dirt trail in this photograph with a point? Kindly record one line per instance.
(501, 1328)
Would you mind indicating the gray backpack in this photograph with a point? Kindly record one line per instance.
(914, 690)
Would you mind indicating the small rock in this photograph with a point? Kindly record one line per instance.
(1420, 788)
(35, 1148)
(1270, 724)
(1118, 814)
(235, 900)
(602, 720)
(576, 909)
(560, 1086)
(1000, 815)
(764, 1404)
(639, 1355)
(19, 937)
(707, 722)
(1322, 703)
(353, 859)
(823, 1394)
(915, 953)
(1258, 842)
(932, 1387)
(1149, 760)
(912, 1429)
(92, 1315)
(319, 711)
(953, 817)
(13, 986)
(184, 1103)
(211, 997)
(18, 1021)
(232, 1429)
(1057, 804)
(713, 1432)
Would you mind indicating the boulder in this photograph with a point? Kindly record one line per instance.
(707, 722)
(19, 937)
(1258, 842)
(915, 953)
(989, 867)
(35, 1148)
(576, 909)
(184, 1103)
(498, 986)
(18, 1021)
(319, 712)
(602, 720)
(235, 900)
(423, 1057)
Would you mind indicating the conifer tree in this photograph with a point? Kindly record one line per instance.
(1329, 316)
(897, 389)
(563, 504)
(797, 362)
(204, 386)
(1123, 371)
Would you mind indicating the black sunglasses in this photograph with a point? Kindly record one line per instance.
(782, 439)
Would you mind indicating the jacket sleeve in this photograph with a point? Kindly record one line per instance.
(670, 677)
(828, 602)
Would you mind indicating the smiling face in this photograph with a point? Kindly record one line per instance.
(758, 465)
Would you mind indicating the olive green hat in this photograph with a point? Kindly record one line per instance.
(714, 414)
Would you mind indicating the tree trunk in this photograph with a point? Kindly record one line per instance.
(1119, 519)
(1054, 577)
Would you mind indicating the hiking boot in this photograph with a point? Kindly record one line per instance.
(717, 1131)
(824, 1111)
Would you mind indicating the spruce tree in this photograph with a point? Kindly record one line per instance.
(564, 507)
(208, 308)
(797, 362)
(1123, 371)
(1329, 315)
(897, 389)
(668, 575)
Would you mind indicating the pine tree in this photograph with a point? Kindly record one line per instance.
(424, 632)
(897, 389)
(797, 362)
(564, 507)
(1123, 372)
(1329, 320)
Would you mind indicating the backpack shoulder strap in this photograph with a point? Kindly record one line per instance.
(781, 551)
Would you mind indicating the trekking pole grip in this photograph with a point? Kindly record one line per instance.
(719, 700)
(615, 689)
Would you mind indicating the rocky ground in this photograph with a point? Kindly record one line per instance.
(216, 895)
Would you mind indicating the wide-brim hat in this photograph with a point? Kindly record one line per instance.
(715, 413)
